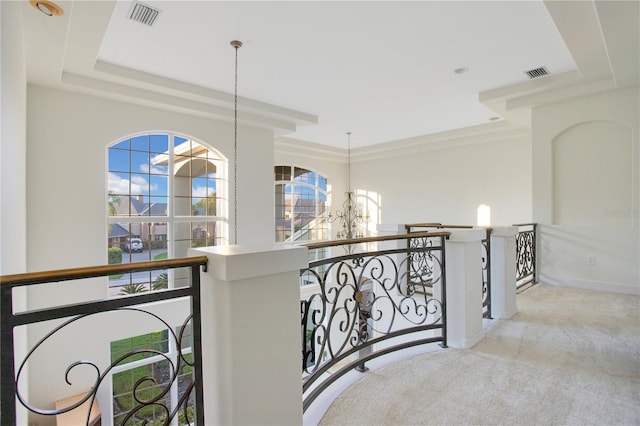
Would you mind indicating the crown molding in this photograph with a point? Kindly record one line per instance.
(485, 133)
(291, 146)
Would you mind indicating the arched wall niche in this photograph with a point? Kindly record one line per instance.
(592, 168)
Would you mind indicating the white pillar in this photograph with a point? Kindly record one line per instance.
(464, 287)
(503, 272)
(251, 339)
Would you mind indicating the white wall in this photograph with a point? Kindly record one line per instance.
(13, 90)
(444, 178)
(586, 190)
(13, 196)
(66, 193)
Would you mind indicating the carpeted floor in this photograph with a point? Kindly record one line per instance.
(569, 357)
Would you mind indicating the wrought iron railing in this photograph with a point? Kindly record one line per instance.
(526, 261)
(486, 259)
(12, 370)
(361, 305)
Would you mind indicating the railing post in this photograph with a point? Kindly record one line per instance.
(7, 373)
(503, 271)
(251, 334)
(464, 287)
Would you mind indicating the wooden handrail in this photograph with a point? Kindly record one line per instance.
(98, 271)
(524, 224)
(331, 243)
(438, 226)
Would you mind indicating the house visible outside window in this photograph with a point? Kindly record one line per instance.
(165, 194)
(301, 204)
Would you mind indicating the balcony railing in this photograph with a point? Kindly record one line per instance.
(13, 370)
(358, 306)
(486, 259)
(526, 270)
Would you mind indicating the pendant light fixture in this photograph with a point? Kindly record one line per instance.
(236, 45)
(350, 216)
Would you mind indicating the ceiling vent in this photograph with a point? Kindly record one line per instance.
(538, 72)
(144, 14)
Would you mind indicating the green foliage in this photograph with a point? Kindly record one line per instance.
(157, 244)
(208, 203)
(124, 381)
(114, 201)
(132, 289)
(161, 283)
(203, 242)
(160, 256)
(115, 255)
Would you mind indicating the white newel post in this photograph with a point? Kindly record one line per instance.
(503, 272)
(464, 287)
(251, 335)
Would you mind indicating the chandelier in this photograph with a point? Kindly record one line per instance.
(350, 216)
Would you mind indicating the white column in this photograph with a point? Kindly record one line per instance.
(464, 287)
(251, 339)
(503, 272)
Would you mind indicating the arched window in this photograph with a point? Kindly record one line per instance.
(301, 204)
(166, 193)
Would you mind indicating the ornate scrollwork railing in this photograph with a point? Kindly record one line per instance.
(190, 399)
(486, 259)
(363, 305)
(486, 275)
(526, 273)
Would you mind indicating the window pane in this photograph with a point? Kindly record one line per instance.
(159, 185)
(159, 143)
(283, 173)
(139, 181)
(140, 143)
(125, 144)
(300, 208)
(140, 162)
(119, 160)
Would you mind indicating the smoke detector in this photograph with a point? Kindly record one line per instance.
(143, 13)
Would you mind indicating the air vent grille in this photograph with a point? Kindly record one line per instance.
(144, 14)
(536, 73)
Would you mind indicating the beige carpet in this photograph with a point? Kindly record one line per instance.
(569, 357)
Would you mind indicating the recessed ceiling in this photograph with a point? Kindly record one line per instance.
(314, 70)
(382, 70)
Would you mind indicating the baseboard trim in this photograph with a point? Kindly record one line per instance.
(603, 286)
(471, 342)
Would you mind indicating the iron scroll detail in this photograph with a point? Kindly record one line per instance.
(176, 364)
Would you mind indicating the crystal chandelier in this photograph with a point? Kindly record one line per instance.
(350, 216)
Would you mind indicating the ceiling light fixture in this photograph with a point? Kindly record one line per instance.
(236, 45)
(350, 216)
(47, 7)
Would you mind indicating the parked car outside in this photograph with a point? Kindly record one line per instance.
(133, 245)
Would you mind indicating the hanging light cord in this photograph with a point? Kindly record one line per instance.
(236, 45)
(349, 161)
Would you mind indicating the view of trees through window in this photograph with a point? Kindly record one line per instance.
(165, 194)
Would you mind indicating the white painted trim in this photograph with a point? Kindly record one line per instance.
(284, 145)
(471, 342)
(129, 94)
(204, 94)
(608, 287)
(485, 133)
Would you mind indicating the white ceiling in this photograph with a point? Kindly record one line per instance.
(381, 70)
